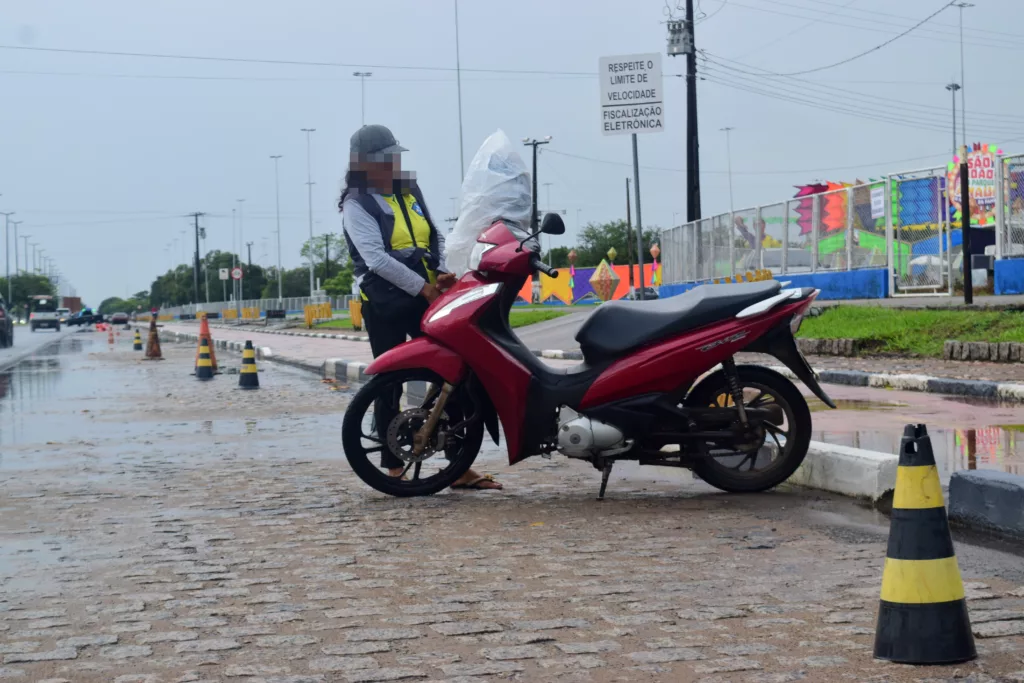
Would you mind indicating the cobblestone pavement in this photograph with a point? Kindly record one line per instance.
(178, 531)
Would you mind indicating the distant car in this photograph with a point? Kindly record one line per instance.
(63, 314)
(43, 313)
(6, 326)
(85, 317)
(119, 319)
(650, 293)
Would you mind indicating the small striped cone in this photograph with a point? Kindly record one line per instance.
(248, 378)
(137, 344)
(110, 335)
(204, 334)
(923, 615)
(204, 368)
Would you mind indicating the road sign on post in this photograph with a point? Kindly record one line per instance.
(225, 273)
(631, 94)
(236, 273)
(631, 102)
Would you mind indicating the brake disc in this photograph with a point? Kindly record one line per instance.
(402, 430)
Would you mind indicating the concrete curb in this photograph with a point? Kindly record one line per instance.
(988, 500)
(1003, 391)
(849, 471)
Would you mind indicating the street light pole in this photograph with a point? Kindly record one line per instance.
(362, 92)
(7, 250)
(241, 241)
(528, 142)
(24, 244)
(963, 106)
(16, 259)
(277, 202)
(309, 185)
(728, 157)
(952, 88)
(458, 85)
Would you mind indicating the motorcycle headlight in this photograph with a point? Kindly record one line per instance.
(478, 252)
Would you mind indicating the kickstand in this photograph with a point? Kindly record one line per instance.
(605, 473)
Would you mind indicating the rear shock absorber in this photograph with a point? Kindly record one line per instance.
(732, 377)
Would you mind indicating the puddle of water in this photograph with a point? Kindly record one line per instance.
(998, 448)
(816, 405)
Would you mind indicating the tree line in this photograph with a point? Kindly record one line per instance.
(596, 239)
(23, 287)
(333, 267)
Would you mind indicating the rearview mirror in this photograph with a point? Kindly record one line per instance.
(552, 225)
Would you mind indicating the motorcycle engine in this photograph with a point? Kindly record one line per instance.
(583, 437)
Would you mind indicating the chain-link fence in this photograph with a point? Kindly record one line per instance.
(833, 231)
(923, 261)
(1012, 232)
(291, 305)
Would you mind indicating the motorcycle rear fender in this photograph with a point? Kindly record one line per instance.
(779, 342)
(424, 352)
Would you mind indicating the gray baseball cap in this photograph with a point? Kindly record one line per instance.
(374, 140)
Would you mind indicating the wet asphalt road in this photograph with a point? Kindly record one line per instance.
(26, 341)
(155, 528)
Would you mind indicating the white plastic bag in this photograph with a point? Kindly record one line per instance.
(496, 187)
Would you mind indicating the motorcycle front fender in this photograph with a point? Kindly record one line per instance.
(421, 352)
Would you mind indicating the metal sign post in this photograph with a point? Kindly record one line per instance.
(631, 103)
(236, 275)
(224, 277)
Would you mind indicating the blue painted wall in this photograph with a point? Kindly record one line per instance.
(870, 283)
(1009, 276)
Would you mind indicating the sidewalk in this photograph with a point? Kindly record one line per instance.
(313, 351)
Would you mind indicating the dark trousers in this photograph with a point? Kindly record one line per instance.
(386, 332)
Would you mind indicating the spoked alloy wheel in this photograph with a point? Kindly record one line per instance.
(770, 449)
(385, 416)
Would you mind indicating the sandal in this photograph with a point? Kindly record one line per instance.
(476, 484)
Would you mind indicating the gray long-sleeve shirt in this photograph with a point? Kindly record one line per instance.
(364, 232)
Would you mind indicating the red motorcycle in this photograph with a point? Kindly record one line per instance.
(740, 428)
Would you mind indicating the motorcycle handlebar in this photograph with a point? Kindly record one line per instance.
(543, 267)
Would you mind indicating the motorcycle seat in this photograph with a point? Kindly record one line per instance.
(617, 327)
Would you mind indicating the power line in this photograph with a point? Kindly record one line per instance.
(284, 62)
(779, 39)
(824, 87)
(779, 172)
(989, 43)
(870, 50)
(758, 87)
(984, 33)
(268, 78)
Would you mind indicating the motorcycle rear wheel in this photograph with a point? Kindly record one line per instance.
(783, 446)
(364, 440)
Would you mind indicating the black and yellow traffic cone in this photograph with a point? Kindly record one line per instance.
(923, 615)
(204, 367)
(248, 378)
(137, 344)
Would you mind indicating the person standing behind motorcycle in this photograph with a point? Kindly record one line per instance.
(397, 256)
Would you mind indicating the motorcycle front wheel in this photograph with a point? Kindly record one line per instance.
(382, 420)
(775, 447)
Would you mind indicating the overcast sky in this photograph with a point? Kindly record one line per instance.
(104, 155)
